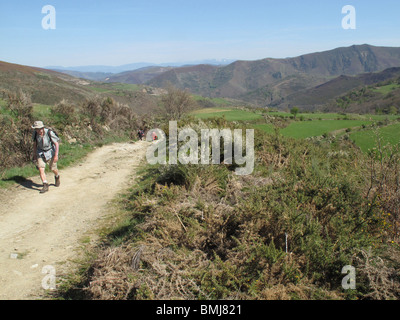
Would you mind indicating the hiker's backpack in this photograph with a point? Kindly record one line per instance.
(49, 130)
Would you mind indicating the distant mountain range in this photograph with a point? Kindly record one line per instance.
(269, 82)
(308, 81)
(108, 70)
(102, 69)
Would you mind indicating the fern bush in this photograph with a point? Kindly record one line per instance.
(284, 232)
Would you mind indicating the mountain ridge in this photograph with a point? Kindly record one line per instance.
(43, 85)
(325, 95)
(308, 81)
(136, 66)
(268, 81)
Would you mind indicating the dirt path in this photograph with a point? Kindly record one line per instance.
(45, 230)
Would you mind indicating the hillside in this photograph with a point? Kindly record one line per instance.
(139, 76)
(308, 81)
(94, 76)
(380, 98)
(272, 80)
(49, 87)
(329, 92)
(197, 78)
(44, 86)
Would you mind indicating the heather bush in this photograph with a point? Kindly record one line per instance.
(16, 132)
(64, 114)
(284, 232)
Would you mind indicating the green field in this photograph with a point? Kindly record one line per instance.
(215, 101)
(366, 139)
(268, 128)
(114, 88)
(229, 114)
(387, 89)
(322, 116)
(335, 116)
(41, 111)
(236, 114)
(306, 129)
(321, 124)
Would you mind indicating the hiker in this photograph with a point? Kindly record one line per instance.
(45, 151)
(154, 136)
(141, 134)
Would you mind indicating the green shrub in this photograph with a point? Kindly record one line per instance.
(284, 232)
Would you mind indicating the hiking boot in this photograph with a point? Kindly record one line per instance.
(45, 188)
(57, 181)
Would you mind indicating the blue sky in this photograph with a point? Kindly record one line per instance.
(98, 32)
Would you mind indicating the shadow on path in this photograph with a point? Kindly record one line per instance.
(26, 183)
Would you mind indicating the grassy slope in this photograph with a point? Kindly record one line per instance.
(267, 128)
(204, 233)
(44, 86)
(336, 116)
(387, 88)
(367, 139)
(322, 123)
(113, 88)
(260, 80)
(230, 115)
(305, 129)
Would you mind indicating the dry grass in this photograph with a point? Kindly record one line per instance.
(118, 275)
(383, 280)
(188, 250)
(111, 273)
(203, 233)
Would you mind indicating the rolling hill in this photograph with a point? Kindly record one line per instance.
(93, 76)
(308, 81)
(134, 73)
(270, 81)
(139, 76)
(49, 87)
(195, 78)
(329, 92)
(44, 86)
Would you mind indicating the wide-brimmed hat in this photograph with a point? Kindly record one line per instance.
(38, 125)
